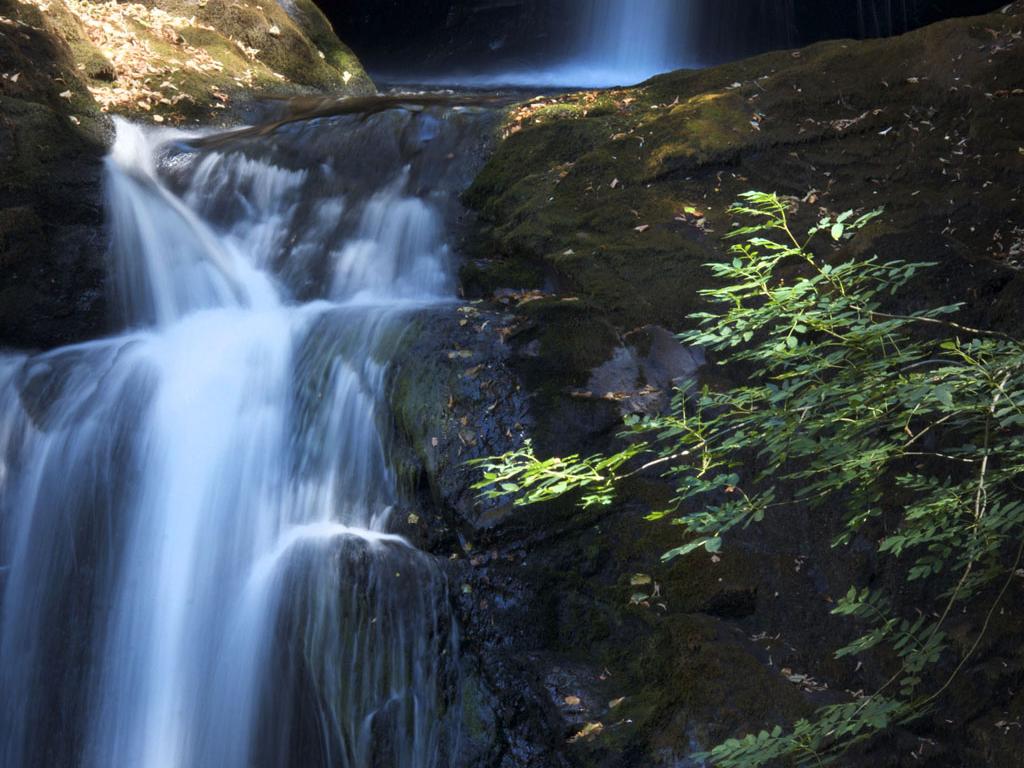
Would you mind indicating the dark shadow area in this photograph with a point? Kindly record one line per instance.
(440, 36)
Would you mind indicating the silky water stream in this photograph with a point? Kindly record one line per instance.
(195, 561)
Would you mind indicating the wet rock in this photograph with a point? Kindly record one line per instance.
(454, 399)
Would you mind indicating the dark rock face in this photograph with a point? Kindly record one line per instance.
(51, 221)
(394, 35)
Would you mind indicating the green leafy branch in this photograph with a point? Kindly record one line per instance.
(843, 403)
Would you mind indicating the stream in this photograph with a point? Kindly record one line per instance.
(196, 547)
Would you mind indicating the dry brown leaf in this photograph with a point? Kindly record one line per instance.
(589, 731)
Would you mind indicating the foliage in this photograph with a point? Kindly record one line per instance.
(912, 424)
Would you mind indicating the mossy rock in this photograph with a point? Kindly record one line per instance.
(481, 278)
(837, 125)
(183, 62)
(686, 683)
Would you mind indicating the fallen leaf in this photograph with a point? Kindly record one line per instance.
(587, 732)
(15, 76)
(572, 701)
(642, 228)
(274, 31)
(614, 184)
(616, 703)
(66, 95)
(640, 580)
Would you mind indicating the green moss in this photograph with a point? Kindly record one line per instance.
(40, 137)
(545, 146)
(712, 684)
(338, 55)
(574, 339)
(482, 277)
(474, 721)
(710, 127)
(420, 388)
(90, 62)
(559, 112)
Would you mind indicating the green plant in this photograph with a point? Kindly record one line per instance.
(912, 420)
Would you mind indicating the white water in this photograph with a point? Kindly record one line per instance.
(196, 568)
(611, 42)
(627, 41)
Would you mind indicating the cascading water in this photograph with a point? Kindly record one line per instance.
(627, 42)
(597, 43)
(194, 547)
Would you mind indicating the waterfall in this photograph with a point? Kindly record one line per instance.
(196, 561)
(596, 44)
(627, 41)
